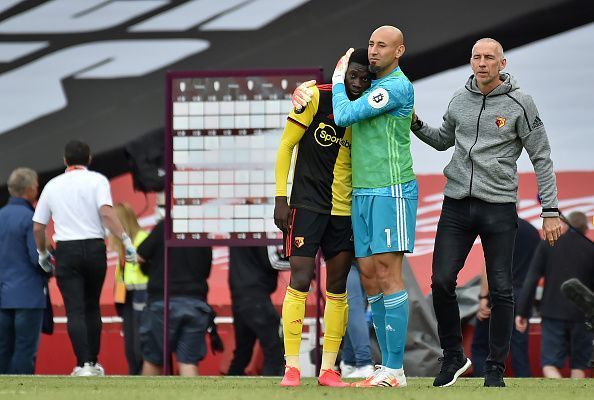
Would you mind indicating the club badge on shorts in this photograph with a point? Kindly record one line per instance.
(299, 241)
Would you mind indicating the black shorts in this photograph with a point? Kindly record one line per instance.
(562, 338)
(311, 230)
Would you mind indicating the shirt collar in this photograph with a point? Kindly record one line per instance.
(74, 168)
(20, 201)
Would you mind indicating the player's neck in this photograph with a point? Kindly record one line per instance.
(387, 70)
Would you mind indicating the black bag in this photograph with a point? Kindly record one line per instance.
(47, 326)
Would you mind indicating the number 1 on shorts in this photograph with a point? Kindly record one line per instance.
(388, 238)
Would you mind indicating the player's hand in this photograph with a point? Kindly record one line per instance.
(130, 251)
(302, 95)
(341, 67)
(521, 324)
(484, 311)
(551, 227)
(46, 261)
(282, 213)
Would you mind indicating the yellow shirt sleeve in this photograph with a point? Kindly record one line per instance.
(295, 128)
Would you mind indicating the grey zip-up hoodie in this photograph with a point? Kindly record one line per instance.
(489, 132)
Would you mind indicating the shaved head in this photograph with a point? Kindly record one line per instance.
(386, 46)
(498, 46)
(390, 32)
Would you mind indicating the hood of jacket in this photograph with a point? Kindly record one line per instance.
(508, 85)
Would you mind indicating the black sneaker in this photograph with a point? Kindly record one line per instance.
(494, 376)
(453, 365)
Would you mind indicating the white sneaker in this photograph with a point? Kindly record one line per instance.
(346, 369)
(362, 372)
(391, 378)
(372, 379)
(100, 370)
(86, 370)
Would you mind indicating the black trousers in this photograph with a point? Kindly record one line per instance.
(253, 319)
(520, 361)
(460, 223)
(80, 272)
(131, 316)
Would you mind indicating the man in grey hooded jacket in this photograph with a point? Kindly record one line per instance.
(489, 121)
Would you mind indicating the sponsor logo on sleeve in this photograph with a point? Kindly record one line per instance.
(378, 98)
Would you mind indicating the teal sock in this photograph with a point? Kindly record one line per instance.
(396, 318)
(378, 313)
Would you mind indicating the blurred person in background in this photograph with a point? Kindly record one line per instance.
(79, 202)
(132, 283)
(189, 314)
(356, 361)
(527, 240)
(564, 332)
(252, 280)
(23, 284)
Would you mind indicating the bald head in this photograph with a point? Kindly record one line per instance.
(391, 33)
(498, 47)
(386, 46)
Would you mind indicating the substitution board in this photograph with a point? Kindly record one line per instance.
(223, 129)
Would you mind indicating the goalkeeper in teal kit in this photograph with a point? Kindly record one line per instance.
(384, 192)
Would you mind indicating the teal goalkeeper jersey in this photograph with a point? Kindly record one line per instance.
(380, 120)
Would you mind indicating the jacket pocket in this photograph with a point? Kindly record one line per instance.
(456, 170)
(507, 167)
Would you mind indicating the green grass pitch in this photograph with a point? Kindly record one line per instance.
(222, 388)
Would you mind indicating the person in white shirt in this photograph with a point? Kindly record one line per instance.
(79, 202)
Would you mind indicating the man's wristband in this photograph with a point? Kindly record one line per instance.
(549, 213)
(481, 297)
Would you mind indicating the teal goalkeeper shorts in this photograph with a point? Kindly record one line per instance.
(383, 224)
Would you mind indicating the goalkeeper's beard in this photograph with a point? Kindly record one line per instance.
(374, 69)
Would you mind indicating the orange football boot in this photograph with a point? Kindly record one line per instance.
(292, 377)
(331, 378)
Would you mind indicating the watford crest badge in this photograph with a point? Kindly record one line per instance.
(500, 122)
(299, 241)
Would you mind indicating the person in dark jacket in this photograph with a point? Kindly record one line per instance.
(189, 314)
(563, 330)
(252, 280)
(22, 281)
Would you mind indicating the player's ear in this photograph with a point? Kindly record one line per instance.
(400, 51)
